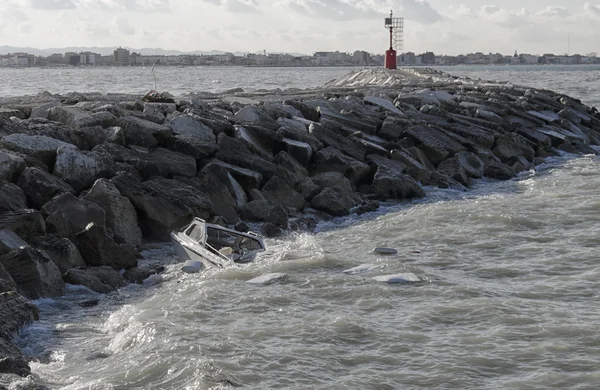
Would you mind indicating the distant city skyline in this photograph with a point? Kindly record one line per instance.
(303, 26)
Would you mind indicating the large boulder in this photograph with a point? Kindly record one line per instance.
(68, 215)
(287, 161)
(301, 151)
(335, 200)
(437, 145)
(40, 186)
(81, 169)
(41, 111)
(265, 211)
(414, 168)
(34, 273)
(121, 217)
(6, 281)
(376, 161)
(332, 160)
(192, 137)
(309, 113)
(12, 198)
(391, 184)
(37, 146)
(343, 144)
(73, 117)
(301, 135)
(99, 249)
(99, 279)
(26, 223)
(158, 214)
(11, 165)
(142, 161)
(248, 179)
(86, 138)
(255, 116)
(179, 164)
(253, 143)
(142, 132)
(332, 179)
(8, 112)
(224, 192)
(508, 147)
(197, 201)
(279, 192)
(454, 169)
(307, 188)
(10, 241)
(60, 250)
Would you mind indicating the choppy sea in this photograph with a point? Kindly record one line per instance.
(510, 298)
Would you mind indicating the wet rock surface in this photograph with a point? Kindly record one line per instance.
(86, 178)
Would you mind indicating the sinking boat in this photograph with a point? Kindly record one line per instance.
(215, 246)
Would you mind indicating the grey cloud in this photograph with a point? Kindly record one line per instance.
(490, 9)
(592, 10)
(123, 26)
(53, 4)
(555, 11)
(417, 10)
(238, 6)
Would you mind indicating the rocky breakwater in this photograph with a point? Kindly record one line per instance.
(86, 178)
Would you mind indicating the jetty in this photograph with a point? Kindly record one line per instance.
(86, 179)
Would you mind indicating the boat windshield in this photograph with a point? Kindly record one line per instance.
(195, 232)
(240, 244)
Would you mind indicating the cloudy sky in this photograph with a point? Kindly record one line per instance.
(305, 26)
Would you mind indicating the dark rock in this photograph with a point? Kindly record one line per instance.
(413, 168)
(218, 220)
(393, 128)
(254, 143)
(121, 217)
(68, 215)
(509, 146)
(279, 192)
(89, 303)
(40, 186)
(146, 166)
(86, 138)
(193, 147)
(35, 275)
(375, 161)
(242, 227)
(255, 116)
(441, 180)
(332, 160)
(6, 281)
(81, 169)
(193, 197)
(12, 197)
(100, 279)
(11, 165)
(10, 241)
(99, 249)
(331, 139)
(257, 210)
(301, 151)
(366, 207)
(278, 110)
(436, 145)
(143, 132)
(335, 201)
(60, 250)
(304, 224)
(247, 178)
(478, 135)
(454, 168)
(390, 184)
(307, 112)
(278, 217)
(332, 179)
(158, 215)
(179, 164)
(26, 223)
(142, 272)
(269, 230)
(75, 117)
(285, 160)
(301, 135)
(39, 147)
(307, 188)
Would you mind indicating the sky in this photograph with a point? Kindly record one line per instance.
(305, 26)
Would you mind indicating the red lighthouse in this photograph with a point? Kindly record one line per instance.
(396, 28)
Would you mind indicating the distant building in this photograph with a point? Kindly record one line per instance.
(428, 58)
(89, 58)
(21, 59)
(408, 58)
(72, 58)
(121, 56)
(56, 59)
(361, 57)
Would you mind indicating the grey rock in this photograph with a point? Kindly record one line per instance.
(248, 179)
(257, 210)
(10, 241)
(280, 110)
(301, 151)
(143, 132)
(26, 223)
(12, 197)
(179, 164)
(60, 250)
(196, 200)
(100, 279)
(37, 146)
(73, 116)
(40, 186)
(42, 110)
(253, 142)
(287, 161)
(158, 214)
(99, 249)
(307, 188)
(11, 165)
(413, 168)
(301, 135)
(279, 192)
(86, 138)
(453, 167)
(331, 139)
(34, 273)
(335, 201)
(436, 145)
(269, 230)
(143, 162)
(255, 116)
(81, 169)
(332, 160)
(375, 161)
(332, 179)
(69, 215)
(393, 128)
(121, 217)
(390, 184)
(307, 112)
(188, 126)
(509, 146)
